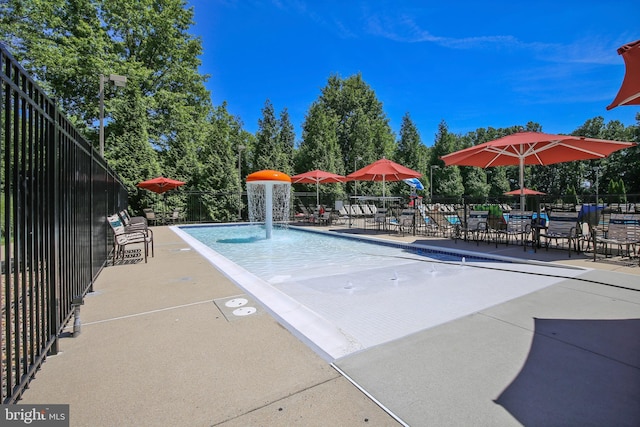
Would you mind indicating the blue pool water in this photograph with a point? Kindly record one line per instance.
(303, 253)
(340, 295)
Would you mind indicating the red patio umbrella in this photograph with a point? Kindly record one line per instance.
(317, 177)
(525, 191)
(533, 148)
(160, 184)
(383, 170)
(629, 93)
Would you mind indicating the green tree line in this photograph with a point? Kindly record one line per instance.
(164, 123)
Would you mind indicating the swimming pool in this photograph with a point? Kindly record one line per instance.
(342, 294)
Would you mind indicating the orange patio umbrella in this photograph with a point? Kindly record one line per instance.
(317, 177)
(629, 93)
(533, 148)
(160, 184)
(525, 191)
(383, 170)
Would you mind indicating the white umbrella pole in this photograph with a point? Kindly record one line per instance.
(383, 199)
(317, 195)
(522, 196)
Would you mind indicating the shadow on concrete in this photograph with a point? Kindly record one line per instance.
(578, 372)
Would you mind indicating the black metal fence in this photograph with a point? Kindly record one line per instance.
(55, 193)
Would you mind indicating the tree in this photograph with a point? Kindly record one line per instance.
(287, 142)
(274, 146)
(412, 153)
(127, 151)
(66, 45)
(362, 127)
(447, 181)
(218, 178)
(319, 148)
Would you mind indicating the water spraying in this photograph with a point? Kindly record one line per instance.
(268, 194)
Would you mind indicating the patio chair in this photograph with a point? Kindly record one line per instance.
(562, 227)
(518, 228)
(380, 219)
(151, 217)
(175, 217)
(132, 223)
(405, 222)
(623, 231)
(123, 238)
(476, 226)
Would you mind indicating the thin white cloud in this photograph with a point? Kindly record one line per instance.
(404, 29)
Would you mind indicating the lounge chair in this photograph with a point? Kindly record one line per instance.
(429, 224)
(518, 228)
(562, 227)
(366, 210)
(123, 238)
(356, 210)
(447, 225)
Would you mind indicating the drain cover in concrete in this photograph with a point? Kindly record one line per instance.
(236, 302)
(237, 307)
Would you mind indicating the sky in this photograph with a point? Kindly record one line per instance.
(472, 64)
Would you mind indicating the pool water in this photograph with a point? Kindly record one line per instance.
(302, 254)
(342, 294)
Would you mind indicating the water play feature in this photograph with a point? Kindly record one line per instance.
(268, 194)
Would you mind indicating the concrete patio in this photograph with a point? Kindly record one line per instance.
(157, 349)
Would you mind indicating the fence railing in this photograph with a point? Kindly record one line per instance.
(55, 193)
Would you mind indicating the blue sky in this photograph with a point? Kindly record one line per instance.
(472, 64)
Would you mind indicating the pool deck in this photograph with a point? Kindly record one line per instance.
(158, 349)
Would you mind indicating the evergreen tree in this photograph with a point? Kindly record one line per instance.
(267, 151)
(447, 181)
(412, 153)
(319, 147)
(362, 128)
(287, 141)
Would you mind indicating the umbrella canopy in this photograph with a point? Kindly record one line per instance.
(160, 184)
(533, 148)
(629, 93)
(317, 177)
(383, 170)
(525, 191)
(415, 183)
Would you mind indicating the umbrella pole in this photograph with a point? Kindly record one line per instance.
(317, 195)
(521, 179)
(383, 199)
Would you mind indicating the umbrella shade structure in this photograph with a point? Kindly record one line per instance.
(525, 191)
(317, 177)
(415, 183)
(383, 170)
(160, 184)
(629, 93)
(533, 148)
